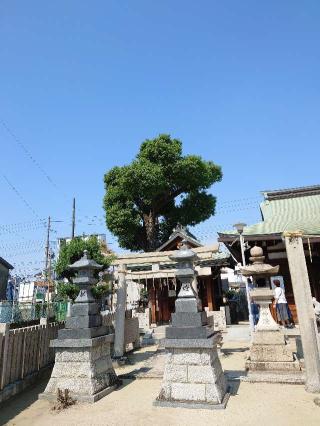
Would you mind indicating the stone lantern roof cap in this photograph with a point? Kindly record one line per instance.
(85, 263)
(184, 253)
(258, 267)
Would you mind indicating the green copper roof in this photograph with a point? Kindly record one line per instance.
(287, 210)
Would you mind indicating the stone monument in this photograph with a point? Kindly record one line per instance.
(271, 359)
(83, 363)
(193, 376)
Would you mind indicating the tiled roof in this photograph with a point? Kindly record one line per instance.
(287, 210)
(5, 263)
(183, 233)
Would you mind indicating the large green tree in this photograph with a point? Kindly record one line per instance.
(160, 188)
(73, 250)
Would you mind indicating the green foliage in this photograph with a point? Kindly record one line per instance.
(67, 291)
(231, 294)
(101, 290)
(144, 294)
(144, 298)
(70, 291)
(72, 251)
(146, 199)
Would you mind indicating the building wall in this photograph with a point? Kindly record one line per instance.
(314, 277)
(4, 273)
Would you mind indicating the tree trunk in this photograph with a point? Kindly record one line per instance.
(151, 233)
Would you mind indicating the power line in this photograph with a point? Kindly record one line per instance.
(14, 189)
(17, 231)
(240, 200)
(21, 245)
(30, 222)
(27, 153)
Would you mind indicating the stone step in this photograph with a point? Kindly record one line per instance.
(275, 377)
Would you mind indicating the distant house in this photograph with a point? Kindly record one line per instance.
(5, 267)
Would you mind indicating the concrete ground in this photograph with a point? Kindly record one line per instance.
(249, 404)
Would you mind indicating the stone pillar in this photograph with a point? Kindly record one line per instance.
(120, 312)
(303, 299)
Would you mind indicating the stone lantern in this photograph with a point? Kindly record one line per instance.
(85, 269)
(270, 359)
(187, 298)
(83, 363)
(193, 375)
(263, 295)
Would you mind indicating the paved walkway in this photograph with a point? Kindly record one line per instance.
(249, 404)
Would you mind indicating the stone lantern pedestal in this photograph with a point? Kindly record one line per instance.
(193, 376)
(270, 359)
(83, 362)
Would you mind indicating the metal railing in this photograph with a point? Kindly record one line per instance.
(15, 312)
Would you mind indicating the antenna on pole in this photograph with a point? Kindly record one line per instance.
(73, 218)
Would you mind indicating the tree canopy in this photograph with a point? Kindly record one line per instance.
(160, 188)
(72, 251)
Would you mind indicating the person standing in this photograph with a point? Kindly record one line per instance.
(281, 305)
(316, 307)
(255, 309)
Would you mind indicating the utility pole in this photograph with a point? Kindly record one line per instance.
(47, 274)
(73, 218)
(47, 262)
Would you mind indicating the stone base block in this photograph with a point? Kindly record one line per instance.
(186, 305)
(272, 338)
(208, 343)
(86, 371)
(273, 353)
(82, 333)
(194, 405)
(271, 359)
(192, 375)
(84, 309)
(83, 398)
(272, 366)
(201, 332)
(84, 321)
(189, 319)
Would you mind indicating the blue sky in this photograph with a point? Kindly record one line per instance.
(84, 83)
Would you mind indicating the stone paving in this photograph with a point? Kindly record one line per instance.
(154, 358)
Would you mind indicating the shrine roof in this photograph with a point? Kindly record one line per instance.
(295, 209)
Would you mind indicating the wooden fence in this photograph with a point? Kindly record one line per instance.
(25, 351)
